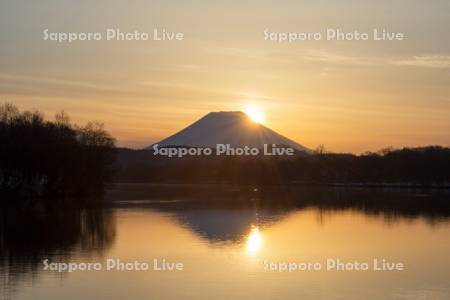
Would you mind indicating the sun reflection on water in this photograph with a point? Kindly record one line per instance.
(254, 241)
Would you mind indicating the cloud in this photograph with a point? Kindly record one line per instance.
(426, 61)
(337, 58)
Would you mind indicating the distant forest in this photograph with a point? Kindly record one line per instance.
(57, 159)
(425, 167)
(40, 158)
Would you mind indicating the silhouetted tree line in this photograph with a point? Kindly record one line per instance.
(426, 166)
(40, 158)
(392, 204)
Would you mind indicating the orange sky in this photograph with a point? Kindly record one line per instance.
(350, 96)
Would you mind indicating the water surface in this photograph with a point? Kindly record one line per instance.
(223, 237)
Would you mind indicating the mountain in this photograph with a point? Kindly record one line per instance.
(231, 127)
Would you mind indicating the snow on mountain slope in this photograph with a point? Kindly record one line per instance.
(234, 128)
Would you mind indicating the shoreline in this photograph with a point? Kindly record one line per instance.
(402, 186)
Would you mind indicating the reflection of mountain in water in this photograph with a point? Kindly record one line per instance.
(218, 214)
(227, 214)
(225, 224)
(215, 214)
(27, 237)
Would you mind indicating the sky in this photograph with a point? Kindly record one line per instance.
(351, 96)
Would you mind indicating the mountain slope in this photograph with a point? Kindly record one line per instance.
(234, 128)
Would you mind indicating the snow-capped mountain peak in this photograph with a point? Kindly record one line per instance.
(228, 127)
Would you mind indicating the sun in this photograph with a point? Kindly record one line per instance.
(255, 114)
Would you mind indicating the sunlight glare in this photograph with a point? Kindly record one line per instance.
(255, 114)
(254, 241)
